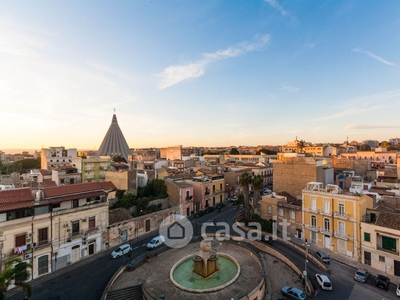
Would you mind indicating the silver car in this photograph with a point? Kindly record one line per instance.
(361, 275)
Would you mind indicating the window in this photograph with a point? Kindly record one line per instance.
(187, 194)
(62, 180)
(92, 222)
(313, 221)
(75, 227)
(20, 240)
(75, 203)
(381, 258)
(326, 225)
(341, 209)
(367, 237)
(292, 215)
(269, 209)
(341, 228)
(43, 264)
(389, 243)
(42, 236)
(326, 207)
(313, 204)
(280, 212)
(56, 205)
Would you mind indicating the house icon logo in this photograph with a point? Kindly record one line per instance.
(177, 231)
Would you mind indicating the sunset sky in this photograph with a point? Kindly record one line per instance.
(198, 73)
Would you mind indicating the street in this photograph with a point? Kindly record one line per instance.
(87, 279)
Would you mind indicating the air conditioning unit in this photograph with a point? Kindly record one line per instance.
(83, 220)
(68, 230)
(28, 234)
(28, 256)
(28, 241)
(66, 225)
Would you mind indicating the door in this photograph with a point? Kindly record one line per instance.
(124, 235)
(147, 225)
(91, 249)
(187, 211)
(397, 268)
(75, 255)
(313, 237)
(327, 241)
(341, 246)
(367, 258)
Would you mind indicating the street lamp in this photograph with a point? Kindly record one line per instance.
(305, 266)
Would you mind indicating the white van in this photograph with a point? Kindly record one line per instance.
(121, 250)
(155, 242)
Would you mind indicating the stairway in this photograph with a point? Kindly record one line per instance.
(129, 293)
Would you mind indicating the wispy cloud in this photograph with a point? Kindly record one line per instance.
(174, 74)
(360, 126)
(362, 105)
(289, 88)
(279, 8)
(374, 56)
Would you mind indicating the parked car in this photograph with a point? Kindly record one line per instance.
(361, 275)
(322, 256)
(210, 209)
(382, 282)
(220, 205)
(234, 199)
(121, 250)
(323, 282)
(155, 242)
(293, 293)
(200, 213)
(398, 290)
(267, 239)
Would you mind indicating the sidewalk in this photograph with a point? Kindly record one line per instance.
(345, 260)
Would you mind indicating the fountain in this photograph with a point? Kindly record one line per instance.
(205, 261)
(205, 271)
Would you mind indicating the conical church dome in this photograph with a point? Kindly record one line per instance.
(114, 143)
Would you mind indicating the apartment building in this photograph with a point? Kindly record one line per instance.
(332, 218)
(92, 168)
(54, 226)
(181, 193)
(207, 190)
(55, 157)
(380, 233)
(292, 172)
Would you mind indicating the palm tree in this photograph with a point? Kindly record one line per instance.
(245, 181)
(15, 271)
(301, 145)
(257, 183)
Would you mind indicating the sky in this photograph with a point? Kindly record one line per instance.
(198, 73)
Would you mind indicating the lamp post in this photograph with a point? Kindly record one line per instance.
(305, 266)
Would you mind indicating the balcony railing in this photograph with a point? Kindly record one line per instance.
(325, 231)
(207, 193)
(189, 197)
(312, 227)
(393, 251)
(341, 215)
(343, 236)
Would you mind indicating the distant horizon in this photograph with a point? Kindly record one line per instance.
(32, 150)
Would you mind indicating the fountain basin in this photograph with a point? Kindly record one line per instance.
(183, 277)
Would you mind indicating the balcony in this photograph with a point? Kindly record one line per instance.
(343, 236)
(42, 244)
(325, 231)
(312, 227)
(341, 215)
(189, 198)
(392, 251)
(89, 168)
(207, 193)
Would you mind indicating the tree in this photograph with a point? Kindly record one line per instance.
(15, 271)
(119, 158)
(385, 144)
(245, 181)
(365, 147)
(265, 151)
(234, 151)
(257, 183)
(301, 145)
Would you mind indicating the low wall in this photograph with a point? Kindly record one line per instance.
(112, 280)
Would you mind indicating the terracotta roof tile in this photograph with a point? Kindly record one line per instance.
(15, 199)
(79, 188)
(49, 183)
(119, 215)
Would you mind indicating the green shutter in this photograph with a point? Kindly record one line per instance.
(389, 243)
